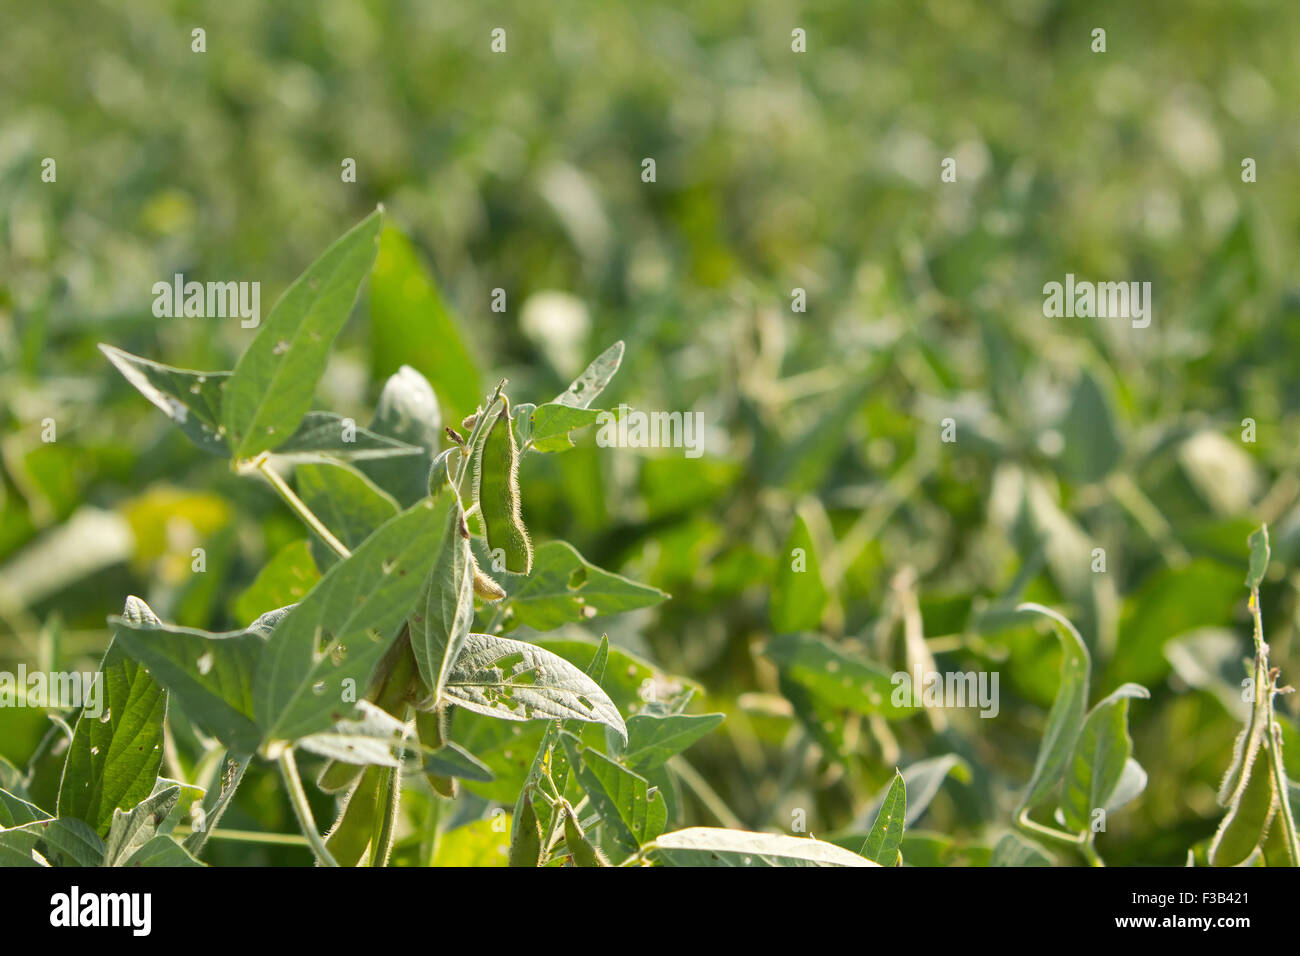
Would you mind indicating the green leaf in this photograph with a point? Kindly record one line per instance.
(209, 675)
(346, 501)
(837, 678)
(16, 811)
(441, 621)
(798, 594)
(586, 387)
(1259, 554)
(325, 436)
(886, 834)
(1132, 781)
(190, 399)
(1100, 756)
(549, 425)
(564, 587)
(1066, 715)
(512, 680)
(67, 841)
(709, 846)
(453, 760)
(631, 811)
(272, 386)
(283, 580)
(1014, 850)
(162, 851)
(1093, 446)
(131, 830)
(653, 738)
(370, 739)
(114, 756)
(407, 411)
(340, 630)
(411, 325)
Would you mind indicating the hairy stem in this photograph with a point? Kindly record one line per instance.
(298, 797)
(308, 516)
(1265, 684)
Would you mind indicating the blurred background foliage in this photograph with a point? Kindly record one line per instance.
(775, 171)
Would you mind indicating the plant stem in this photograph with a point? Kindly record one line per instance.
(262, 464)
(298, 797)
(1265, 684)
(706, 794)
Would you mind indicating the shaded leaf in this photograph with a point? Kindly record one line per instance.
(271, 387)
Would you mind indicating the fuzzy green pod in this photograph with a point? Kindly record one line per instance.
(350, 836)
(496, 489)
(526, 835)
(580, 848)
(1246, 824)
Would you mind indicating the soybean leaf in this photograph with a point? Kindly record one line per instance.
(283, 580)
(407, 411)
(1066, 715)
(190, 399)
(710, 846)
(1014, 850)
(549, 425)
(130, 830)
(161, 851)
(798, 594)
(114, 756)
(442, 618)
(1100, 756)
(347, 503)
(16, 811)
(331, 641)
(370, 738)
(512, 680)
(1092, 442)
(209, 675)
(631, 811)
(1132, 781)
(584, 389)
(653, 739)
(564, 587)
(67, 841)
(837, 678)
(271, 387)
(886, 834)
(325, 436)
(923, 780)
(453, 760)
(410, 324)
